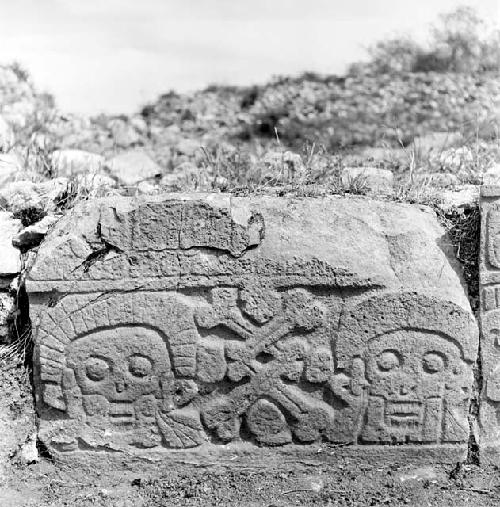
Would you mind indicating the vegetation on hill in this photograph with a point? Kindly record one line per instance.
(415, 109)
(461, 41)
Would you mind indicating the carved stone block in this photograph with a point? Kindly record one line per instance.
(489, 274)
(191, 321)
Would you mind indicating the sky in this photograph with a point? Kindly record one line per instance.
(115, 55)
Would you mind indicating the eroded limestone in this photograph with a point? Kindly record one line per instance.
(489, 270)
(197, 320)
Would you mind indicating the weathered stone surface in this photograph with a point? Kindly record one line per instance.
(7, 308)
(17, 420)
(21, 195)
(10, 258)
(124, 134)
(489, 273)
(492, 175)
(180, 321)
(464, 196)
(132, 167)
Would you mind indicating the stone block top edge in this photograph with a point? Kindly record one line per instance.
(200, 239)
(225, 198)
(490, 191)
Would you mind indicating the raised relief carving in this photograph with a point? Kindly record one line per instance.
(122, 384)
(490, 298)
(258, 363)
(489, 318)
(180, 321)
(417, 367)
(266, 365)
(490, 322)
(418, 389)
(122, 377)
(493, 238)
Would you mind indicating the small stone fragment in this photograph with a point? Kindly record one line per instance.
(29, 452)
(124, 134)
(132, 167)
(32, 235)
(18, 196)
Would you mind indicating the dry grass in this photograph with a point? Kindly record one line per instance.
(463, 229)
(19, 351)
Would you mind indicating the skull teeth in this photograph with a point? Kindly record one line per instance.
(121, 413)
(403, 409)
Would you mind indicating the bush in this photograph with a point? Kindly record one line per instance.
(394, 55)
(20, 71)
(460, 42)
(463, 37)
(430, 61)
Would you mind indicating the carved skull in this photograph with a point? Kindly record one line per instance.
(120, 364)
(409, 374)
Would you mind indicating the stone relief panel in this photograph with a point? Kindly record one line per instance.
(490, 324)
(417, 357)
(418, 389)
(493, 237)
(265, 364)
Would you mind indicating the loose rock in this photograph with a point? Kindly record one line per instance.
(7, 310)
(124, 134)
(23, 195)
(32, 235)
(74, 162)
(132, 167)
(10, 259)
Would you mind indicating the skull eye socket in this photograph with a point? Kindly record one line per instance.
(140, 366)
(388, 360)
(433, 362)
(97, 369)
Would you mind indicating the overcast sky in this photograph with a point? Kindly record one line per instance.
(114, 55)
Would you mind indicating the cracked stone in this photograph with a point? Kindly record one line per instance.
(178, 321)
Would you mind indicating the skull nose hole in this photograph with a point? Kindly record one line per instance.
(405, 389)
(120, 386)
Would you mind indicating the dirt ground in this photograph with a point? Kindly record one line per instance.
(333, 478)
(339, 484)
